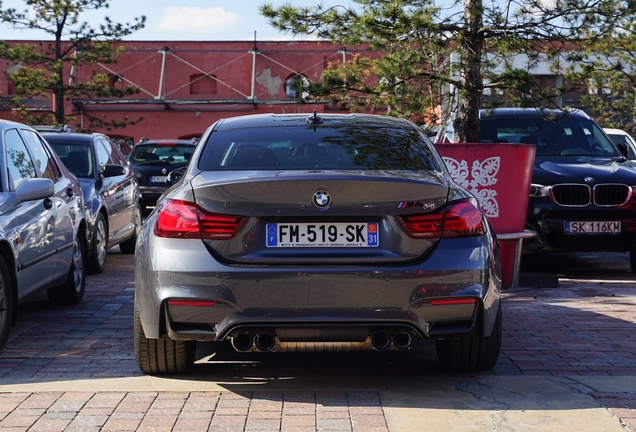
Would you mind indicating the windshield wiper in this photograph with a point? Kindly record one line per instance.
(152, 162)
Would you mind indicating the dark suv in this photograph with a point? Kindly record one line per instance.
(153, 160)
(111, 194)
(582, 192)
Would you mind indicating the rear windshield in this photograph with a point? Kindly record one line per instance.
(302, 148)
(563, 137)
(161, 153)
(77, 156)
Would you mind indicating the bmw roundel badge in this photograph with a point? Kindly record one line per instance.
(322, 199)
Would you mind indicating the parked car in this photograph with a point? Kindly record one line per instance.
(42, 226)
(153, 160)
(582, 194)
(618, 136)
(289, 232)
(111, 194)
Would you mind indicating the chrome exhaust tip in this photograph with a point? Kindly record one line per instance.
(265, 341)
(402, 339)
(242, 341)
(381, 340)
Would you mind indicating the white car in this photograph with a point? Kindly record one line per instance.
(618, 135)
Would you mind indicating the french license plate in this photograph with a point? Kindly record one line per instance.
(158, 179)
(322, 235)
(605, 227)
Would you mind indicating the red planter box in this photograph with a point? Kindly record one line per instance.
(499, 176)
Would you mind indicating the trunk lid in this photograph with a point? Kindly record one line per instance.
(288, 206)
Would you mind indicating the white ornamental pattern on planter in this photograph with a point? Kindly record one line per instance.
(483, 175)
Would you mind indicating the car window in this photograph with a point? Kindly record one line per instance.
(19, 163)
(43, 158)
(114, 156)
(631, 145)
(77, 156)
(103, 157)
(162, 153)
(328, 147)
(563, 137)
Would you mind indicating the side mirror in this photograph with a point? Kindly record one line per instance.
(624, 149)
(175, 176)
(112, 170)
(34, 189)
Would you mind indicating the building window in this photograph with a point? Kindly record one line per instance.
(116, 82)
(293, 85)
(202, 84)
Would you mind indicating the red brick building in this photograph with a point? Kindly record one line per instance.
(185, 86)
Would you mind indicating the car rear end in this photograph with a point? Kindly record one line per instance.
(152, 161)
(286, 236)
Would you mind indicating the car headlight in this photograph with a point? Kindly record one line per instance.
(537, 190)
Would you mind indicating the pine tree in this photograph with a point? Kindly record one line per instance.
(49, 68)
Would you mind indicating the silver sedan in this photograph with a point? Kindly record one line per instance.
(42, 228)
(306, 232)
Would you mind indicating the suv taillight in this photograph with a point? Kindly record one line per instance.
(458, 219)
(185, 219)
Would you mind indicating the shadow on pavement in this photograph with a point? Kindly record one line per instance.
(611, 265)
(579, 329)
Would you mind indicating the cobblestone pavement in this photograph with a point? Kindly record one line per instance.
(61, 367)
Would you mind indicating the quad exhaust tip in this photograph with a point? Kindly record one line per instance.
(242, 341)
(381, 340)
(265, 341)
(402, 339)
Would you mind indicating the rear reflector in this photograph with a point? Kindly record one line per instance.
(459, 301)
(184, 219)
(458, 219)
(191, 303)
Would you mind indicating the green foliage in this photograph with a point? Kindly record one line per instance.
(50, 69)
(429, 63)
(605, 73)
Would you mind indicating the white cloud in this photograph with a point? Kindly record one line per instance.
(194, 18)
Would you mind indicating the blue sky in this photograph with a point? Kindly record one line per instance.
(181, 19)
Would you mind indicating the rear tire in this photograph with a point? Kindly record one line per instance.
(632, 260)
(128, 246)
(163, 355)
(472, 353)
(72, 292)
(6, 304)
(99, 251)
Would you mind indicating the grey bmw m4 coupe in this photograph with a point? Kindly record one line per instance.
(299, 232)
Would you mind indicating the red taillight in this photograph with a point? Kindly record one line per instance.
(424, 226)
(191, 303)
(184, 219)
(458, 301)
(461, 219)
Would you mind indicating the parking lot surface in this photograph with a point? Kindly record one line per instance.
(568, 363)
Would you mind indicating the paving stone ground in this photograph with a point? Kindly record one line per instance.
(581, 329)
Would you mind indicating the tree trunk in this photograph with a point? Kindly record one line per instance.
(469, 95)
(58, 91)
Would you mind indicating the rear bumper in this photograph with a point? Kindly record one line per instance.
(304, 304)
